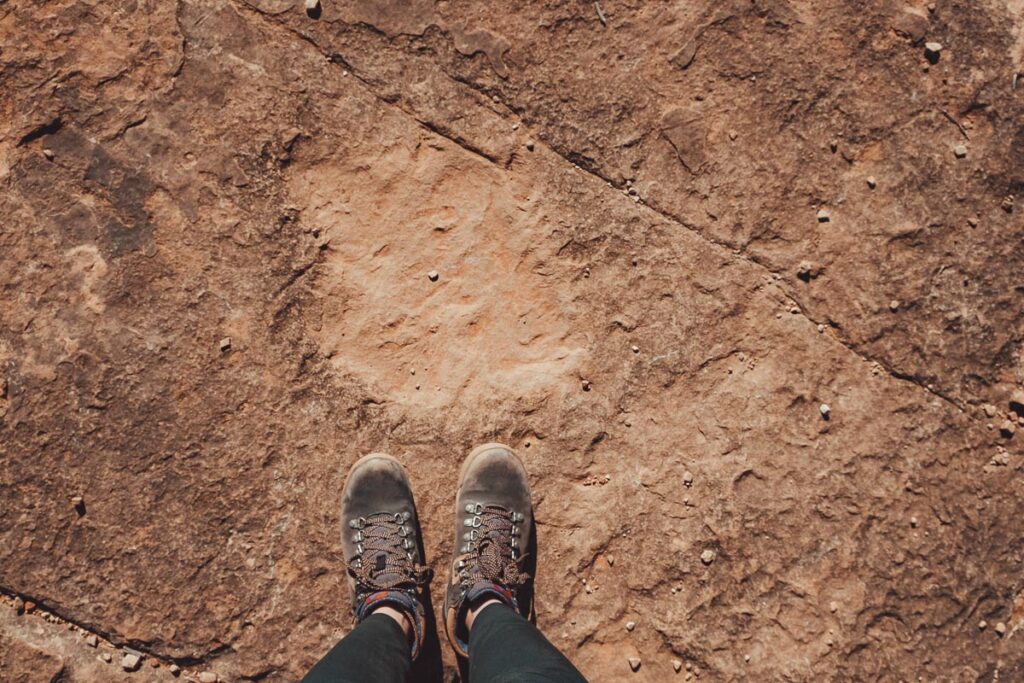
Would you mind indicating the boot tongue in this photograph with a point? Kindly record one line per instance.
(384, 574)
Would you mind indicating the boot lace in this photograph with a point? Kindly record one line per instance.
(387, 538)
(492, 547)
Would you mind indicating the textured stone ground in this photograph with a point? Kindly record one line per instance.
(634, 290)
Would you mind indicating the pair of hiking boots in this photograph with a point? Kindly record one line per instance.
(383, 549)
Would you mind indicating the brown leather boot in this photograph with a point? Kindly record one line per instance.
(493, 525)
(380, 540)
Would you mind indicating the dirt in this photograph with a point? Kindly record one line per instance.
(633, 289)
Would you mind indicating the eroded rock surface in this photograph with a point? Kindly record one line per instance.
(629, 304)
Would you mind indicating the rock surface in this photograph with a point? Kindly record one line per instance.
(177, 174)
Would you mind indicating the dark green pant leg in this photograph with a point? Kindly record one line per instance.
(505, 648)
(376, 651)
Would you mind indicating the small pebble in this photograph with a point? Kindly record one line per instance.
(1008, 203)
(872, 183)
(821, 328)
(19, 605)
(833, 606)
(130, 661)
(610, 560)
(174, 669)
(1000, 628)
(894, 305)
(824, 216)
(833, 145)
(677, 665)
(1017, 402)
(313, 8)
(225, 344)
(530, 145)
(630, 625)
(982, 625)
(635, 348)
(960, 151)
(825, 411)
(688, 478)
(586, 385)
(433, 276)
(972, 221)
(932, 51)
(91, 640)
(634, 663)
(746, 658)
(1007, 429)
(708, 556)
(990, 410)
(48, 153)
(913, 522)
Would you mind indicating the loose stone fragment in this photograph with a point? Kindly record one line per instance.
(19, 606)
(130, 661)
(1000, 628)
(610, 560)
(932, 51)
(1007, 203)
(1007, 429)
(688, 478)
(833, 145)
(825, 410)
(225, 344)
(960, 151)
(894, 305)
(833, 606)
(48, 153)
(821, 328)
(872, 183)
(913, 522)
(708, 556)
(433, 276)
(1017, 402)
(530, 144)
(990, 410)
(824, 216)
(982, 625)
(635, 348)
(634, 663)
(630, 625)
(313, 8)
(677, 665)
(174, 669)
(91, 640)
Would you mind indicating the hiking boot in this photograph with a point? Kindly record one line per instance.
(493, 525)
(381, 543)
